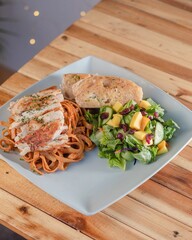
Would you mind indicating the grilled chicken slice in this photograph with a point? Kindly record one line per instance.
(36, 101)
(39, 121)
(35, 105)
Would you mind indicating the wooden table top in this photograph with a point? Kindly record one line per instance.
(153, 39)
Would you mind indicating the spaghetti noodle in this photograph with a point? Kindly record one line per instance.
(58, 158)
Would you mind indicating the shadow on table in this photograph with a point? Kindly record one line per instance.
(5, 73)
(6, 234)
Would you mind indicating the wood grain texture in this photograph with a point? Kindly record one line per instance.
(175, 178)
(164, 10)
(150, 222)
(37, 69)
(146, 20)
(29, 219)
(55, 57)
(18, 82)
(136, 34)
(156, 196)
(116, 43)
(152, 39)
(185, 5)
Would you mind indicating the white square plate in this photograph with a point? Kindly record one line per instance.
(90, 185)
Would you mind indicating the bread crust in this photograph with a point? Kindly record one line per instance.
(95, 91)
(69, 80)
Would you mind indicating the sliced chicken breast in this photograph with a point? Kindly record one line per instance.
(39, 120)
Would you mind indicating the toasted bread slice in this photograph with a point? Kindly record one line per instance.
(97, 91)
(69, 80)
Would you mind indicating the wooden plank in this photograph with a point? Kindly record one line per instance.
(146, 40)
(187, 153)
(115, 43)
(190, 144)
(186, 161)
(164, 200)
(187, 104)
(37, 69)
(18, 82)
(174, 85)
(98, 226)
(146, 20)
(162, 10)
(147, 220)
(175, 178)
(183, 162)
(28, 220)
(55, 57)
(181, 4)
(5, 95)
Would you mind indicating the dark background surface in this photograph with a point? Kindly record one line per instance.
(18, 26)
(6, 234)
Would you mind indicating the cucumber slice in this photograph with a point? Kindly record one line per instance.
(159, 133)
(107, 110)
(127, 118)
(127, 155)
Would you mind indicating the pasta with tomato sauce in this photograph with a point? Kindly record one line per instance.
(48, 131)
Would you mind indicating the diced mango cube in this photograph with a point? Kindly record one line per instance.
(144, 104)
(117, 115)
(117, 106)
(111, 123)
(162, 144)
(144, 122)
(162, 150)
(115, 121)
(136, 121)
(140, 135)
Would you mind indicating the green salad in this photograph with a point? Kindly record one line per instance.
(130, 132)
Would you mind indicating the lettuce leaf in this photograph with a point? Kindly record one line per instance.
(88, 117)
(171, 123)
(128, 104)
(132, 141)
(155, 108)
(96, 136)
(153, 150)
(169, 129)
(115, 162)
(92, 118)
(108, 138)
(127, 155)
(127, 118)
(143, 156)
